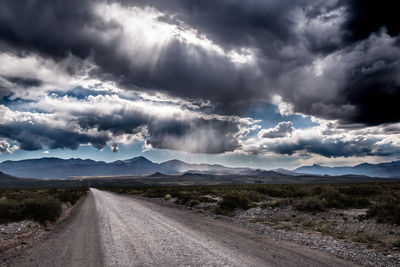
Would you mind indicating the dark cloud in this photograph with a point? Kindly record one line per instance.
(197, 136)
(358, 85)
(36, 28)
(232, 24)
(358, 147)
(53, 28)
(375, 89)
(114, 148)
(269, 27)
(24, 82)
(367, 16)
(205, 76)
(34, 136)
(55, 126)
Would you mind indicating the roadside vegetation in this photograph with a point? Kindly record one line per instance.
(381, 199)
(39, 205)
(345, 211)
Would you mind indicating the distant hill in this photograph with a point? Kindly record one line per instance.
(56, 168)
(287, 172)
(385, 170)
(176, 165)
(158, 175)
(262, 173)
(8, 181)
(62, 168)
(5, 177)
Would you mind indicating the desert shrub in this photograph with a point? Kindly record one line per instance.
(366, 238)
(270, 203)
(8, 211)
(183, 197)
(69, 196)
(367, 190)
(317, 190)
(40, 210)
(310, 204)
(378, 197)
(155, 192)
(386, 210)
(36, 204)
(252, 195)
(232, 202)
(207, 199)
(194, 202)
(275, 203)
(283, 191)
(334, 199)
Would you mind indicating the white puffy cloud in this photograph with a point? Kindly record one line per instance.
(327, 139)
(100, 119)
(6, 148)
(283, 129)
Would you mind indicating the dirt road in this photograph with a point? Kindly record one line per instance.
(116, 230)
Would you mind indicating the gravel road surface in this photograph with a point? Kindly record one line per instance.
(108, 229)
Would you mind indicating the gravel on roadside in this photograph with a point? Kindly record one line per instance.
(358, 253)
(9, 230)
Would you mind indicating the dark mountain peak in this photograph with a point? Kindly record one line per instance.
(364, 165)
(2, 174)
(40, 159)
(194, 174)
(177, 161)
(260, 173)
(51, 159)
(175, 166)
(174, 163)
(139, 159)
(286, 172)
(6, 176)
(270, 173)
(386, 170)
(157, 174)
(392, 163)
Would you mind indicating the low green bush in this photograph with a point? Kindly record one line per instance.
(232, 202)
(275, 203)
(310, 204)
(39, 210)
(382, 199)
(40, 205)
(386, 210)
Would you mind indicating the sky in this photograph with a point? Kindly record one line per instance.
(258, 83)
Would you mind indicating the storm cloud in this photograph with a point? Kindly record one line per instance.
(336, 61)
(285, 38)
(326, 140)
(66, 122)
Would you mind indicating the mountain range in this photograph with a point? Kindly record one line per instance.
(385, 170)
(56, 168)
